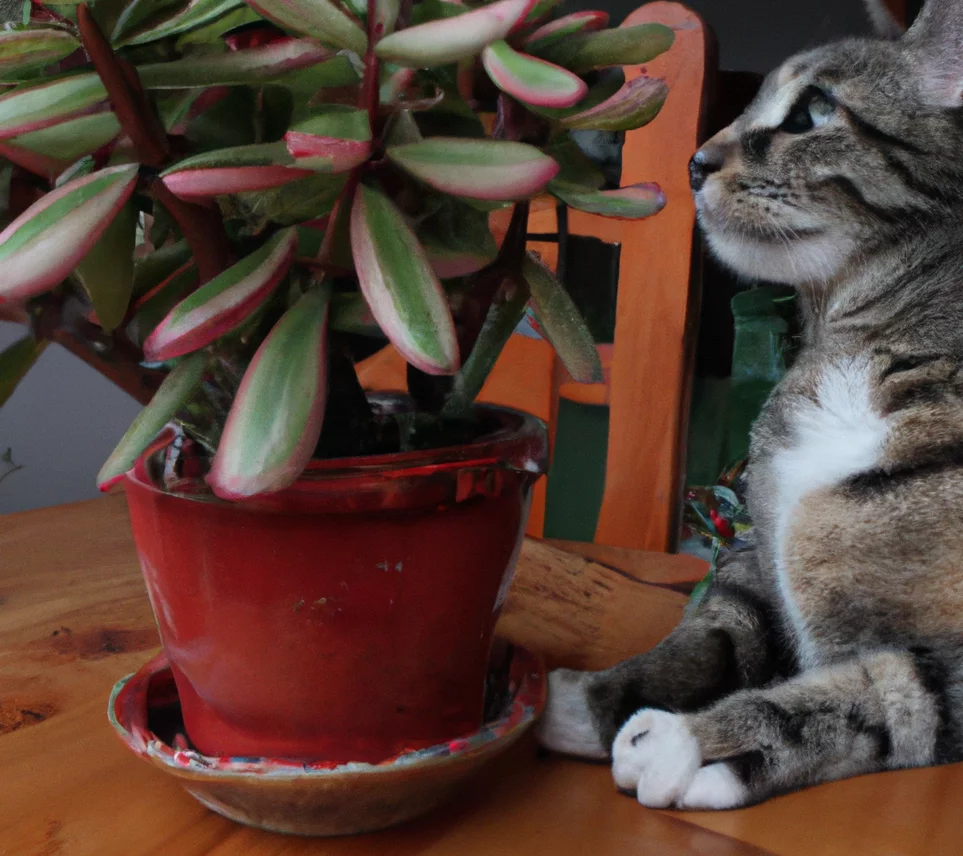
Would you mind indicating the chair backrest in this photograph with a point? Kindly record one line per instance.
(648, 368)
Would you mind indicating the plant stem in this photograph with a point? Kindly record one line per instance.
(110, 354)
(203, 230)
(127, 97)
(370, 86)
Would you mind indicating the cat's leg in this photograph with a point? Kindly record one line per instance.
(728, 643)
(882, 711)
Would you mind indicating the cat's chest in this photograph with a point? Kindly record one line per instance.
(828, 432)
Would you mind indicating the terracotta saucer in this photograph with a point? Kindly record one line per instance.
(316, 799)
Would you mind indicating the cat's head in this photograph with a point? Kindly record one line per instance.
(843, 146)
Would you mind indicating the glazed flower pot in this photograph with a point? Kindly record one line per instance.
(349, 617)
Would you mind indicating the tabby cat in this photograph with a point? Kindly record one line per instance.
(833, 646)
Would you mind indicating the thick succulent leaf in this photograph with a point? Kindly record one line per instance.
(177, 389)
(531, 80)
(213, 32)
(400, 286)
(107, 271)
(152, 269)
(250, 66)
(43, 165)
(15, 361)
(239, 169)
(307, 198)
(336, 140)
(479, 169)
(153, 306)
(225, 302)
(576, 167)
(540, 10)
(504, 316)
(435, 10)
(320, 19)
(275, 421)
(457, 239)
(618, 46)
(45, 243)
(636, 104)
(28, 108)
(386, 14)
(350, 314)
(561, 322)
(450, 39)
(609, 82)
(70, 140)
(139, 21)
(627, 203)
(32, 48)
(567, 25)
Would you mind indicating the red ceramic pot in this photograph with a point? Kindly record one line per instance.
(350, 616)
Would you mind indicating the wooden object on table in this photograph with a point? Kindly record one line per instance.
(648, 371)
(74, 617)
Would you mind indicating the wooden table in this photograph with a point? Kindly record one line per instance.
(74, 617)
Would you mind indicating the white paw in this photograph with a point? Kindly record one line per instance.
(656, 756)
(567, 725)
(715, 786)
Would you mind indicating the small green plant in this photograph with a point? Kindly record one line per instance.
(222, 205)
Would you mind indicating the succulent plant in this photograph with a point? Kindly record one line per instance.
(222, 205)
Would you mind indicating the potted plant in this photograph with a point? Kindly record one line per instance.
(223, 206)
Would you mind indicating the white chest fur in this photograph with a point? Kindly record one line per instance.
(835, 436)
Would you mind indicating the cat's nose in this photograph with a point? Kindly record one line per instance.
(704, 162)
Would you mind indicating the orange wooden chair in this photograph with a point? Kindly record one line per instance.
(649, 366)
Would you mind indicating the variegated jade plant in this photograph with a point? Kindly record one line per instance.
(222, 205)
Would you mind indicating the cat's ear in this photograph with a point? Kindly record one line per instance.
(884, 24)
(936, 39)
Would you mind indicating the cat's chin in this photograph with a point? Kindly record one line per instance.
(805, 260)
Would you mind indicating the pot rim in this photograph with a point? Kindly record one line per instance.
(398, 479)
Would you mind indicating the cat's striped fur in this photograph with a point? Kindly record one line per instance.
(834, 647)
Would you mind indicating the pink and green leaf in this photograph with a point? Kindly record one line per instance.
(402, 290)
(588, 51)
(153, 306)
(562, 323)
(319, 19)
(386, 14)
(449, 263)
(70, 140)
(275, 421)
(636, 104)
(177, 390)
(43, 165)
(29, 108)
(138, 22)
(45, 243)
(241, 169)
(224, 303)
(567, 25)
(449, 40)
(15, 361)
(350, 314)
(31, 49)
(477, 168)
(236, 68)
(633, 202)
(531, 80)
(107, 271)
(334, 141)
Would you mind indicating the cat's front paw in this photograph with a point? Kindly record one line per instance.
(656, 757)
(567, 725)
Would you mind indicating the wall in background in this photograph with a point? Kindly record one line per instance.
(64, 419)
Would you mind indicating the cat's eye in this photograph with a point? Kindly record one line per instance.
(813, 109)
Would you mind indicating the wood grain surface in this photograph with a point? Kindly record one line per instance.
(74, 617)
